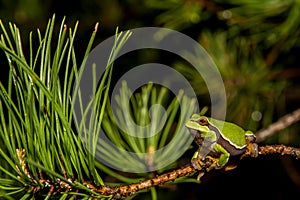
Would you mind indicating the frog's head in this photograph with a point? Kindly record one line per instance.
(197, 124)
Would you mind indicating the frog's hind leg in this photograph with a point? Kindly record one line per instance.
(224, 157)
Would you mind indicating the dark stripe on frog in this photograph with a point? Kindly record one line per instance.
(224, 143)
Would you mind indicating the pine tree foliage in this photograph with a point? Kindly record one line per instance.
(42, 154)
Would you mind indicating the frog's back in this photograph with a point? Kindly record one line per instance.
(231, 132)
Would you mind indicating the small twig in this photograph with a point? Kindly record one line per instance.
(63, 167)
(21, 155)
(50, 192)
(281, 124)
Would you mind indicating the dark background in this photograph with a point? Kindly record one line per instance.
(272, 88)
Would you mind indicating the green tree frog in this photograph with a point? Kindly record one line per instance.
(219, 140)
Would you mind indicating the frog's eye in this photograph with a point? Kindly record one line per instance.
(203, 121)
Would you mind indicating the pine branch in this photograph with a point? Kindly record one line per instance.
(129, 190)
(121, 192)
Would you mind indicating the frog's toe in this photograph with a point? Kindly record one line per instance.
(207, 164)
(200, 175)
(229, 167)
(254, 150)
(213, 163)
(196, 163)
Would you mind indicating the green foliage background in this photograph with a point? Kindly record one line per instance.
(254, 43)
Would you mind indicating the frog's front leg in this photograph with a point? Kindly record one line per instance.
(197, 161)
(205, 147)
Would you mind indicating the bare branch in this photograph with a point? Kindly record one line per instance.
(281, 124)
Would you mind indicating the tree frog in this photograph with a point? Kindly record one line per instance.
(219, 139)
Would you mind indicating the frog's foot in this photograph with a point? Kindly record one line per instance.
(211, 163)
(206, 164)
(252, 147)
(197, 163)
(252, 150)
